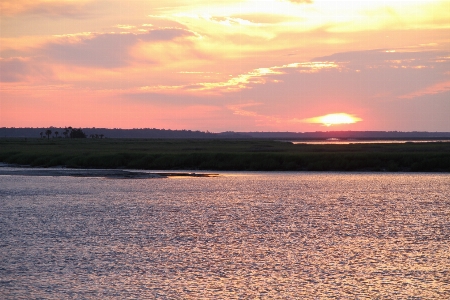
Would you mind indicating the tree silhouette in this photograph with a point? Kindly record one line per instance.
(41, 134)
(48, 132)
(77, 133)
(101, 136)
(66, 132)
(56, 133)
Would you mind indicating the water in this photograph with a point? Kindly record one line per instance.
(350, 141)
(237, 236)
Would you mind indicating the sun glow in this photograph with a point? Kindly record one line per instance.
(334, 119)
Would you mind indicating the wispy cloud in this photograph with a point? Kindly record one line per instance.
(437, 88)
(51, 8)
(247, 80)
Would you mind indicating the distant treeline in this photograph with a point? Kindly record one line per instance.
(69, 132)
(108, 133)
(153, 133)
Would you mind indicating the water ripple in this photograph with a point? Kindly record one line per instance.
(239, 236)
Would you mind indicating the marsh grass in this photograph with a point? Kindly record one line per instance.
(257, 155)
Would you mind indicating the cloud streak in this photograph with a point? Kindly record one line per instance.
(50, 8)
(246, 81)
(109, 50)
(434, 89)
(361, 64)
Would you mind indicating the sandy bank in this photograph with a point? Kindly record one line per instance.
(114, 174)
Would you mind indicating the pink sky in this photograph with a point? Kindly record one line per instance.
(255, 65)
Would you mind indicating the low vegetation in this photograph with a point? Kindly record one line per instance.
(251, 155)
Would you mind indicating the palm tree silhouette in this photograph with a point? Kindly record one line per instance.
(66, 132)
(41, 134)
(48, 132)
(56, 133)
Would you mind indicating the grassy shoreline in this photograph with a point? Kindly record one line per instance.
(221, 155)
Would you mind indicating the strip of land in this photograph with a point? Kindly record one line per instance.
(233, 155)
(111, 174)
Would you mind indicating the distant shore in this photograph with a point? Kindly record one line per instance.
(112, 174)
(225, 155)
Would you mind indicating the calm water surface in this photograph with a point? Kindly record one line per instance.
(238, 236)
(350, 141)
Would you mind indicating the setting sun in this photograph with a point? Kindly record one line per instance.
(334, 119)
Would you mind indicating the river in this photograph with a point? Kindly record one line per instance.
(241, 235)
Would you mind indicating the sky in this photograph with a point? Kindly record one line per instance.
(250, 65)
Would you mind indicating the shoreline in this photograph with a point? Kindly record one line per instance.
(95, 173)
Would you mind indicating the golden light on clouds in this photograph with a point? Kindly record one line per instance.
(334, 119)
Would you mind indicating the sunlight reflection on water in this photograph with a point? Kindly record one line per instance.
(256, 235)
(350, 141)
